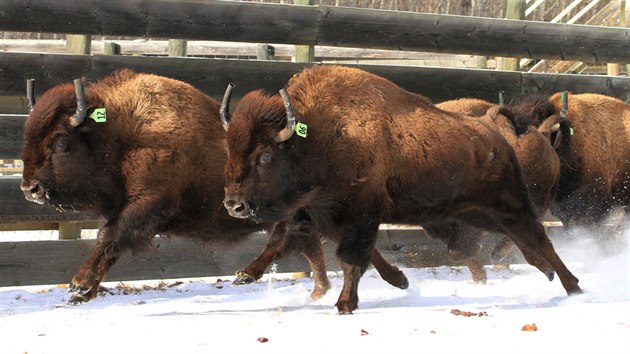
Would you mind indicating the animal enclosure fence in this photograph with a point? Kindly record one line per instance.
(23, 263)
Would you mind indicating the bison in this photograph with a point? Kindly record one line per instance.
(146, 154)
(538, 160)
(354, 150)
(595, 159)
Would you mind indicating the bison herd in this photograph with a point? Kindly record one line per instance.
(336, 153)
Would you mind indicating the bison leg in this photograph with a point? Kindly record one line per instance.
(502, 249)
(314, 254)
(285, 238)
(530, 237)
(463, 245)
(134, 230)
(85, 283)
(275, 248)
(477, 270)
(348, 300)
(388, 272)
(354, 252)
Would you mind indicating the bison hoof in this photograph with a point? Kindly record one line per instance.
(346, 309)
(405, 283)
(550, 274)
(243, 278)
(78, 294)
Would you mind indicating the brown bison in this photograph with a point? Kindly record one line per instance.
(539, 163)
(145, 153)
(365, 152)
(595, 159)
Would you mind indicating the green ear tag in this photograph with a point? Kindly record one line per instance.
(570, 131)
(301, 129)
(99, 115)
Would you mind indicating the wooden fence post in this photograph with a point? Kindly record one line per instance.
(515, 11)
(78, 43)
(75, 44)
(111, 48)
(177, 47)
(70, 230)
(625, 4)
(614, 69)
(304, 53)
(265, 51)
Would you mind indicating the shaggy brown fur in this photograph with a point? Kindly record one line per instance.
(155, 167)
(377, 153)
(595, 173)
(539, 163)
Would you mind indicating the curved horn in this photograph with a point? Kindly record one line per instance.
(287, 131)
(565, 104)
(79, 116)
(30, 93)
(501, 99)
(224, 111)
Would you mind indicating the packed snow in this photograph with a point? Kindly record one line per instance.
(443, 311)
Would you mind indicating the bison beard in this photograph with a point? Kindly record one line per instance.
(154, 167)
(377, 153)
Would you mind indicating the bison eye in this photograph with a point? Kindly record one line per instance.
(61, 144)
(265, 158)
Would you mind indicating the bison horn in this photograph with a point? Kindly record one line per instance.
(79, 116)
(224, 111)
(565, 104)
(287, 131)
(501, 99)
(30, 93)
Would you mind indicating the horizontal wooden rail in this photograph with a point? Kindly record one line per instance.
(54, 262)
(222, 49)
(16, 209)
(212, 75)
(318, 25)
(11, 135)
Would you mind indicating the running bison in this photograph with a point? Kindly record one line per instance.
(595, 159)
(366, 151)
(146, 154)
(539, 163)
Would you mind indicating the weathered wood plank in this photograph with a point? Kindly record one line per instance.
(53, 262)
(15, 208)
(318, 25)
(211, 76)
(614, 86)
(11, 136)
(222, 49)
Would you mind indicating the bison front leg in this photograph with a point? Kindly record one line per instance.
(274, 249)
(134, 229)
(85, 283)
(348, 300)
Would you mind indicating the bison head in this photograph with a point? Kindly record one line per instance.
(261, 183)
(59, 166)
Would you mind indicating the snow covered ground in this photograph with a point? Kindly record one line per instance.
(441, 312)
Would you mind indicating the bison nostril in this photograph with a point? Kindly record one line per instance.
(239, 208)
(236, 208)
(35, 189)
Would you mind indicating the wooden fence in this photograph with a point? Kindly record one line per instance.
(23, 263)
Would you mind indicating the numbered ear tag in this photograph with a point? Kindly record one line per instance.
(570, 131)
(99, 115)
(301, 129)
